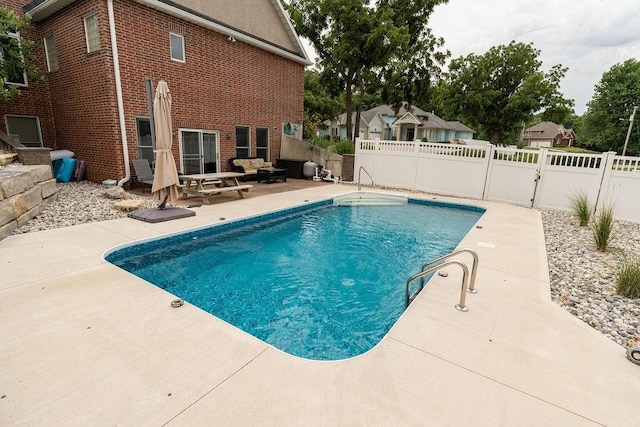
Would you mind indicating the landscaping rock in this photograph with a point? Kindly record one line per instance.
(115, 193)
(582, 279)
(129, 205)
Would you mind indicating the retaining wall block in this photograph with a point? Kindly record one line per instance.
(7, 212)
(24, 219)
(52, 198)
(48, 188)
(34, 155)
(16, 184)
(7, 229)
(19, 204)
(32, 197)
(40, 173)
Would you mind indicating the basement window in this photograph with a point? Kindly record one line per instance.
(26, 129)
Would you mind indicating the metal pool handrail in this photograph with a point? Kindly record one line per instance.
(474, 267)
(465, 275)
(365, 171)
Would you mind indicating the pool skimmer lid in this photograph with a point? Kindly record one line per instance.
(633, 354)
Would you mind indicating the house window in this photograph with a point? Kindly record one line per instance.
(51, 53)
(145, 143)
(26, 129)
(91, 32)
(262, 143)
(18, 74)
(177, 47)
(243, 148)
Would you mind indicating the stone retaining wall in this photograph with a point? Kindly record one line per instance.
(24, 192)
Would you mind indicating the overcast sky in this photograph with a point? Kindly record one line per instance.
(587, 36)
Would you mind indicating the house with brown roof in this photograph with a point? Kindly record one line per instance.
(408, 124)
(234, 69)
(548, 134)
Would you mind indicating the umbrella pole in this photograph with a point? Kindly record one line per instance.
(164, 202)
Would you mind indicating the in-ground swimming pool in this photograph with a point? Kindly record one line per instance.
(319, 281)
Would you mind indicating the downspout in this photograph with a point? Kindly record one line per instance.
(116, 70)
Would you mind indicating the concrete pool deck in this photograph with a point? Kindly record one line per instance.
(85, 343)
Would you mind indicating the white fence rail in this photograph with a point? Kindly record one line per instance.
(540, 179)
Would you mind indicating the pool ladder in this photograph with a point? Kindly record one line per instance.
(373, 184)
(468, 283)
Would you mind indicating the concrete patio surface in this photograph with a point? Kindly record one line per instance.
(85, 343)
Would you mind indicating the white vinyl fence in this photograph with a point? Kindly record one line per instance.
(539, 179)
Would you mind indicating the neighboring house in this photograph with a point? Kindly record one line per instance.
(234, 68)
(548, 134)
(382, 122)
(372, 125)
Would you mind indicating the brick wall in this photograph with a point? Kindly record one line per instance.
(222, 84)
(33, 100)
(83, 95)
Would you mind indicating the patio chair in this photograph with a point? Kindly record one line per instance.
(144, 174)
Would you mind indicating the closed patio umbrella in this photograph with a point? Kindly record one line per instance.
(165, 179)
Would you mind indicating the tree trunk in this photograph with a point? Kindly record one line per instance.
(358, 107)
(348, 103)
(495, 137)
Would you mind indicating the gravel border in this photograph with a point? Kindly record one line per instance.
(582, 278)
(78, 203)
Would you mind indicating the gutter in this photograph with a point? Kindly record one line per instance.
(118, 81)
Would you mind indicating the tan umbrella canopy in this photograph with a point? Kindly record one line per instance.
(165, 178)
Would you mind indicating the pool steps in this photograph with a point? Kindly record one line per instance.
(369, 199)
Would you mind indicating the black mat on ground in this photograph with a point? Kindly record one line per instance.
(160, 215)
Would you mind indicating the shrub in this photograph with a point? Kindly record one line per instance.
(581, 208)
(628, 276)
(344, 146)
(602, 228)
(319, 142)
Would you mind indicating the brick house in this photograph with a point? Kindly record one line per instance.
(234, 68)
(548, 134)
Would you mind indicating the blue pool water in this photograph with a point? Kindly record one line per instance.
(320, 281)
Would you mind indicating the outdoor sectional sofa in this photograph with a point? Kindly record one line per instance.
(249, 166)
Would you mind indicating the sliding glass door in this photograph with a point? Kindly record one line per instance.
(199, 151)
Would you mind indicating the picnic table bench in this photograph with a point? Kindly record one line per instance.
(210, 184)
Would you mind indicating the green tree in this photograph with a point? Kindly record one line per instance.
(339, 30)
(499, 91)
(319, 104)
(359, 43)
(605, 123)
(16, 56)
(410, 72)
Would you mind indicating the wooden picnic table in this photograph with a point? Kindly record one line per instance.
(210, 184)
